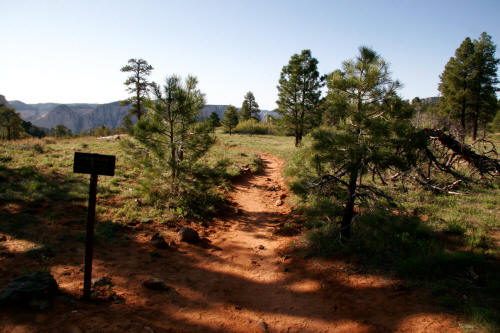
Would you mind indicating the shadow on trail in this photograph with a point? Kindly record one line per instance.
(203, 299)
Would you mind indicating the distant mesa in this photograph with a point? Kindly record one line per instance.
(82, 116)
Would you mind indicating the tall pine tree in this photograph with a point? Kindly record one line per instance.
(249, 108)
(484, 80)
(137, 85)
(468, 84)
(299, 94)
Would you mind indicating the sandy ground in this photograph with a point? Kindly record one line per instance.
(241, 280)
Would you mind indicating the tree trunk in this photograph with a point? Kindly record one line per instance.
(475, 122)
(349, 208)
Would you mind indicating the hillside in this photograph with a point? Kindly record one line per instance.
(81, 116)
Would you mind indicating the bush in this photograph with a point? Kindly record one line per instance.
(252, 126)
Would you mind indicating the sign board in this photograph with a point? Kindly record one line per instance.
(94, 164)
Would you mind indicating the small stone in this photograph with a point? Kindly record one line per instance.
(155, 284)
(283, 196)
(102, 282)
(278, 203)
(261, 247)
(74, 329)
(189, 235)
(263, 326)
(148, 329)
(158, 241)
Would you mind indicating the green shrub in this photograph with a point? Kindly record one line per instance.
(252, 126)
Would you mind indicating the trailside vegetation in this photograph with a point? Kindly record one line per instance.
(168, 145)
(230, 119)
(299, 95)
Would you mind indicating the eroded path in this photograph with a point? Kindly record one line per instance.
(240, 282)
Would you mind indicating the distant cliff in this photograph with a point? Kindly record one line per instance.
(79, 116)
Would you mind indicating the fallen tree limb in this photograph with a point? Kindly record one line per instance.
(482, 163)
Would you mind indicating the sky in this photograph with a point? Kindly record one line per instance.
(71, 51)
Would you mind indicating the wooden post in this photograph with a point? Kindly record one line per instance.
(89, 239)
(93, 164)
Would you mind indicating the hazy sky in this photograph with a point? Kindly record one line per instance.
(72, 51)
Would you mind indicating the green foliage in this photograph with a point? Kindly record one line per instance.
(230, 118)
(468, 84)
(101, 131)
(137, 85)
(249, 108)
(214, 120)
(299, 95)
(371, 134)
(61, 131)
(10, 124)
(33, 130)
(251, 126)
(168, 147)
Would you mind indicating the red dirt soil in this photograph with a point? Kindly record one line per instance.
(241, 280)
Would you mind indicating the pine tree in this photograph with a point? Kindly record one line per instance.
(468, 84)
(484, 80)
(10, 124)
(230, 118)
(249, 108)
(138, 85)
(214, 120)
(169, 143)
(455, 85)
(374, 125)
(300, 95)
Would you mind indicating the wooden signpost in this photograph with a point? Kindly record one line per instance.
(93, 164)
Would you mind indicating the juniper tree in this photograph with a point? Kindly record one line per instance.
(137, 85)
(249, 108)
(373, 128)
(299, 94)
(230, 119)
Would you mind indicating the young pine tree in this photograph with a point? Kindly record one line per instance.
(371, 133)
(168, 144)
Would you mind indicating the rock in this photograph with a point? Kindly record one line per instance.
(158, 241)
(155, 284)
(34, 290)
(282, 196)
(101, 282)
(73, 329)
(189, 235)
(263, 326)
(278, 203)
(261, 247)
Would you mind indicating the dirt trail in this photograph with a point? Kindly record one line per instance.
(241, 282)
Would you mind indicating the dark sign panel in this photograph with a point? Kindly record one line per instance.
(94, 164)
